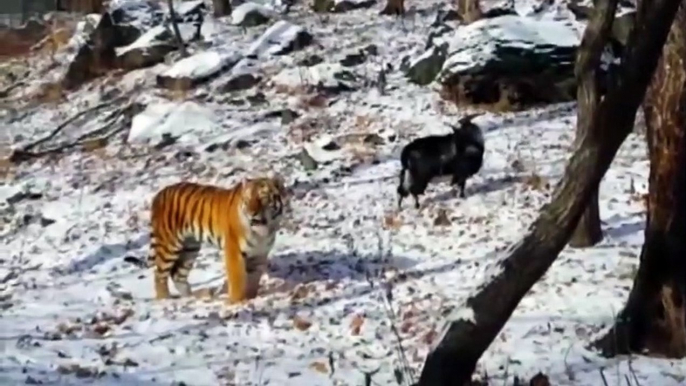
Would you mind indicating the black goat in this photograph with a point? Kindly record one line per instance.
(459, 154)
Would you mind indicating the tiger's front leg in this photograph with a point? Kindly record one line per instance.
(256, 267)
(236, 275)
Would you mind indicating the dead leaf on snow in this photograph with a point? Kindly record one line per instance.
(300, 323)
(356, 324)
(319, 367)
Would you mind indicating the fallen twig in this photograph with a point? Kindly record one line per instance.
(61, 126)
(84, 140)
(7, 90)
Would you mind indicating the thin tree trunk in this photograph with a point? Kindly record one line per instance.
(653, 318)
(177, 34)
(221, 8)
(454, 359)
(469, 10)
(588, 232)
(394, 7)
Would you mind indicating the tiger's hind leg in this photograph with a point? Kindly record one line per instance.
(187, 256)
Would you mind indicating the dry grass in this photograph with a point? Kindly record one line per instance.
(51, 92)
(505, 103)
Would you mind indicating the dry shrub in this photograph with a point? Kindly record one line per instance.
(307, 102)
(52, 92)
(56, 39)
(391, 221)
(536, 182)
(5, 168)
(96, 146)
(469, 10)
(363, 154)
(506, 102)
(363, 122)
(290, 90)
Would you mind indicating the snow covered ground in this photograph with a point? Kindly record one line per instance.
(346, 269)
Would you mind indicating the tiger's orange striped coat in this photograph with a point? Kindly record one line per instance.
(241, 220)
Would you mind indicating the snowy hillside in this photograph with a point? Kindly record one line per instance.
(357, 292)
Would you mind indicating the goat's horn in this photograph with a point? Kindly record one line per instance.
(468, 118)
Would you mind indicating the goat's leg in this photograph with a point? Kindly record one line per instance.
(402, 189)
(460, 182)
(418, 187)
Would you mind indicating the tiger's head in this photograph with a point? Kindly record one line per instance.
(265, 200)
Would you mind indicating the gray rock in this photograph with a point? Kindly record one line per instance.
(513, 59)
(242, 77)
(349, 5)
(423, 70)
(307, 161)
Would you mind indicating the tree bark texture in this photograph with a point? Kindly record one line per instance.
(221, 7)
(653, 317)
(394, 7)
(596, 35)
(175, 26)
(469, 10)
(454, 359)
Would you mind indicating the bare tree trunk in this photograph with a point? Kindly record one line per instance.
(179, 40)
(469, 10)
(394, 7)
(596, 35)
(221, 8)
(653, 317)
(454, 359)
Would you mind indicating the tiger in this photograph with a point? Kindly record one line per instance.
(241, 220)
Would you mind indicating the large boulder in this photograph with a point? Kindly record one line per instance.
(131, 34)
(510, 59)
(120, 25)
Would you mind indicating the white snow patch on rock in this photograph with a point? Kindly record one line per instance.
(183, 121)
(240, 13)
(153, 37)
(320, 74)
(202, 65)
(276, 39)
(477, 43)
(316, 151)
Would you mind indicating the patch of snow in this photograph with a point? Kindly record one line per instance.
(184, 7)
(320, 74)
(239, 13)
(316, 150)
(202, 65)
(185, 121)
(157, 35)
